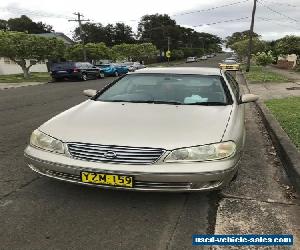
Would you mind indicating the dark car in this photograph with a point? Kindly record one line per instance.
(75, 70)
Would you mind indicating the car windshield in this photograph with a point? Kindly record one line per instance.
(167, 89)
(230, 61)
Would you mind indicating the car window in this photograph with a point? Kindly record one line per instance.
(230, 61)
(78, 65)
(62, 66)
(168, 88)
(234, 85)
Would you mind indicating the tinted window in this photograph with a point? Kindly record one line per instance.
(183, 89)
(79, 65)
(64, 65)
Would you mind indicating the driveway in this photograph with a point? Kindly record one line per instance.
(38, 213)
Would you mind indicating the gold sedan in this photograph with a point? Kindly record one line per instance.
(229, 64)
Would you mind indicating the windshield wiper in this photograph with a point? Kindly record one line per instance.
(145, 101)
(208, 103)
(165, 102)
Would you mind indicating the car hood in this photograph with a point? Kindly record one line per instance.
(140, 124)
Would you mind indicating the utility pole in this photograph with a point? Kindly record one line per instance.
(79, 20)
(251, 37)
(168, 47)
(202, 43)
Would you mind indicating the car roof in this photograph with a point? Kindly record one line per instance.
(180, 70)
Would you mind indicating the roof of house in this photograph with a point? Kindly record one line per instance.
(58, 35)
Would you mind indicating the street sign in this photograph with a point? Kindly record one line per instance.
(168, 54)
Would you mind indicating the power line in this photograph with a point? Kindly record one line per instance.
(223, 21)
(285, 4)
(210, 9)
(197, 11)
(278, 22)
(277, 12)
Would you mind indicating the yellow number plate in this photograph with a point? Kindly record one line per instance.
(107, 179)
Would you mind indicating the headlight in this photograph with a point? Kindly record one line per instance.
(210, 152)
(46, 142)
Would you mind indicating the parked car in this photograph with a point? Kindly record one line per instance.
(74, 70)
(113, 69)
(203, 58)
(209, 56)
(138, 65)
(191, 59)
(156, 129)
(229, 64)
(129, 65)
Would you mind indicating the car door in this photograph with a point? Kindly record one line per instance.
(239, 109)
(88, 69)
(94, 70)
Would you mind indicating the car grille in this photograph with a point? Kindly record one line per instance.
(147, 185)
(114, 154)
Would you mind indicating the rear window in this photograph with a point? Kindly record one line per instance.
(63, 65)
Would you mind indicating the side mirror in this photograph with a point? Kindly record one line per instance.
(90, 92)
(248, 98)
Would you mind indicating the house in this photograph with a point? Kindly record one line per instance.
(59, 35)
(287, 62)
(8, 66)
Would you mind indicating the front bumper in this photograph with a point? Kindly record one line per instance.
(178, 177)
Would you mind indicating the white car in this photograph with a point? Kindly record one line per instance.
(138, 65)
(156, 129)
(191, 59)
(203, 58)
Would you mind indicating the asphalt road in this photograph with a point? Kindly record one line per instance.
(40, 213)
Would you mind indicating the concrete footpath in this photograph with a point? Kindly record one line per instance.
(18, 84)
(260, 200)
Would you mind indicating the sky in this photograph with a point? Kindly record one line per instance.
(274, 18)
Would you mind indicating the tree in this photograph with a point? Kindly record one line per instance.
(21, 47)
(239, 36)
(145, 51)
(241, 47)
(25, 24)
(94, 51)
(3, 24)
(177, 54)
(124, 51)
(263, 59)
(122, 34)
(137, 52)
(155, 29)
(109, 34)
(288, 45)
